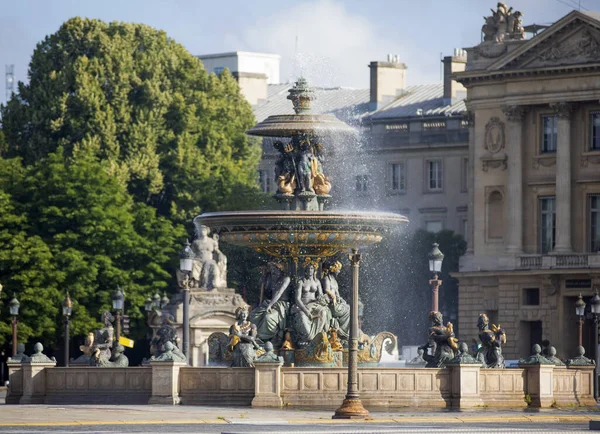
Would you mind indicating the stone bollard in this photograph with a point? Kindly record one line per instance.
(34, 376)
(267, 380)
(540, 380)
(465, 379)
(165, 382)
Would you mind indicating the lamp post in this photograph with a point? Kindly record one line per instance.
(352, 407)
(595, 307)
(13, 306)
(580, 310)
(118, 301)
(67, 308)
(436, 257)
(186, 262)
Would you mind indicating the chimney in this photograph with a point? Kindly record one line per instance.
(453, 90)
(388, 80)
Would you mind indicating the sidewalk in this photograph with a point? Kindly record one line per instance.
(74, 415)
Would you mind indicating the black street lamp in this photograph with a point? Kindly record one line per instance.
(13, 306)
(67, 309)
(186, 262)
(118, 301)
(580, 311)
(436, 257)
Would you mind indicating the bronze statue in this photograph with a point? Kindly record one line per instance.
(285, 168)
(340, 310)
(165, 334)
(117, 359)
(552, 357)
(490, 353)
(271, 315)
(580, 359)
(242, 339)
(442, 339)
(310, 314)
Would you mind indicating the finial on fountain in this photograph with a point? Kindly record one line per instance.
(301, 96)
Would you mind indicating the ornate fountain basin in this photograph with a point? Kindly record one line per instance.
(293, 125)
(293, 234)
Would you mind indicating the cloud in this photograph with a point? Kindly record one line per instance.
(320, 40)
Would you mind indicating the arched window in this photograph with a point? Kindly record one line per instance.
(495, 215)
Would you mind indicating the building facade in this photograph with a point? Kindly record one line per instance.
(534, 183)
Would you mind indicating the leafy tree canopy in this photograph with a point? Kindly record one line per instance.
(68, 225)
(170, 132)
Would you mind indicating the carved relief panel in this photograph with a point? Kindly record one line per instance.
(494, 143)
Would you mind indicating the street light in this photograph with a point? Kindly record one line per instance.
(595, 308)
(436, 257)
(186, 263)
(67, 309)
(13, 306)
(118, 301)
(580, 310)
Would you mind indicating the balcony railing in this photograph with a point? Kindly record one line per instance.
(570, 260)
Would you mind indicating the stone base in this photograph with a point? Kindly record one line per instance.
(351, 409)
(32, 400)
(164, 400)
(267, 401)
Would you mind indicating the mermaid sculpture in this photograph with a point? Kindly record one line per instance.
(442, 339)
(490, 353)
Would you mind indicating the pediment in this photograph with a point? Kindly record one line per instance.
(574, 40)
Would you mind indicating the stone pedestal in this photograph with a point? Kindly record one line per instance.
(165, 382)
(34, 382)
(267, 385)
(584, 385)
(466, 385)
(540, 385)
(15, 386)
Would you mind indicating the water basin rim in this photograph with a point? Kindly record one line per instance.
(344, 215)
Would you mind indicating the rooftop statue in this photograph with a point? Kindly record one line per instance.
(271, 315)
(242, 339)
(503, 24)
(310, 314)
(442, 339)
(492, 339)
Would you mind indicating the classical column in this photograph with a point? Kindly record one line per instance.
(514, 206)
(470, 118)
(563, 178)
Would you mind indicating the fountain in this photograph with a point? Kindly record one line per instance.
(300, 237)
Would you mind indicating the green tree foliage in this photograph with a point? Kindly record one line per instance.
(69, 225)
(172, 133)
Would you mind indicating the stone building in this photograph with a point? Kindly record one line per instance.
(534, 180)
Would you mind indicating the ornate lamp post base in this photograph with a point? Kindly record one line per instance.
(351, 408)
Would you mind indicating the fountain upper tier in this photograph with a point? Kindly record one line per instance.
(302, 123)
(293, 234)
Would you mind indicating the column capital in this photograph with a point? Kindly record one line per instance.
(562, 109)
(514, 113)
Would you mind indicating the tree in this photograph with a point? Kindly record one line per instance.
(173, 134)
(70, 226)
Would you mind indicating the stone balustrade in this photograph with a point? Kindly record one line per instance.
(271, 385)
(559, 260)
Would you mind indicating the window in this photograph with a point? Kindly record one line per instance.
(218, 70)
(434, 226)
(549, 133)
(465, 229)
(362, 182)
(434, 168)
(595, 222)
(595, 123)
(547, 223)
(397, 177)
(263, 181)
(531, 296)
(464, 175)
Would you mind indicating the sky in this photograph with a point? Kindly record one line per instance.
(329, 41)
